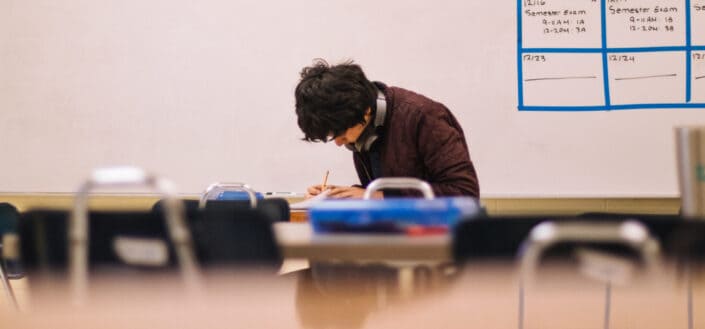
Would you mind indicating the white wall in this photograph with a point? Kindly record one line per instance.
(202, 91)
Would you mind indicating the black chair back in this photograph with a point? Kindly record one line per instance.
(273, 209)
(230, 235)
(500, 237)
(221, 237)
(115, 241)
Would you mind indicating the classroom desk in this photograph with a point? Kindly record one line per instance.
(298, 241)
(415, 259)
(298, 216)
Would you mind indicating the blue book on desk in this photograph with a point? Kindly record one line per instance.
(409, 216)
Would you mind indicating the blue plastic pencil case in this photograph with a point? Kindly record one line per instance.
(238, 195)
(406, 216)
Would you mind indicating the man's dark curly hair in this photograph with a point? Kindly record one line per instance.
(331, 99)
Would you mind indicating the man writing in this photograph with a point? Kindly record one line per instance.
(391, 131)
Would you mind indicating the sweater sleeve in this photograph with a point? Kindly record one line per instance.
(446, 159)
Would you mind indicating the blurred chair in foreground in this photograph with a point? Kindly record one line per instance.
(116, 244)
(9, 268)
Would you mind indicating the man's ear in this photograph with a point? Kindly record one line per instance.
(368, 114)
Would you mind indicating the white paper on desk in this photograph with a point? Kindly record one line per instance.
(309, 202)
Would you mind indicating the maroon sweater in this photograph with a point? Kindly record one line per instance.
(421, 138)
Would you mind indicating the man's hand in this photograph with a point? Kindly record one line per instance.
(314, 190)
(351, 192)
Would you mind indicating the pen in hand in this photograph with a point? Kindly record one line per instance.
(325, 180)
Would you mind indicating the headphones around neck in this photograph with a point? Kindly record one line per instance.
(370, 134)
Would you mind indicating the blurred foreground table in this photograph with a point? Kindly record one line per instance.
(298, 240)
(481, 297)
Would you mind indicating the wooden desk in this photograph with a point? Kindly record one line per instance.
(298, 216)
(298, 241)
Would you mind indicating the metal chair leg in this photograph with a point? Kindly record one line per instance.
(608, 304)
(690, 297)
(6, 285)
(521, 304)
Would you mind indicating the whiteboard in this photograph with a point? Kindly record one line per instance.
(202, 91)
